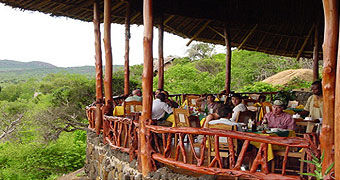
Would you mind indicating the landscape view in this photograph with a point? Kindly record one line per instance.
(43, 118)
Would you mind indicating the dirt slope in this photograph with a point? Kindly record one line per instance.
(284, 77)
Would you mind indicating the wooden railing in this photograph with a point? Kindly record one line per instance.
(91, 116)
(121, 134)
(164, 154)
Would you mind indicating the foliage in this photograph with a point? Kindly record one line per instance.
(200, 51)
(259, 87)
(21, 161)
(318, 164)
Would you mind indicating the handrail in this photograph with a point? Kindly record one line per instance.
(164, 155)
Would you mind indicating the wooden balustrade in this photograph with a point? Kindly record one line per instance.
(91, 116)
(179, 157)
(121, 134)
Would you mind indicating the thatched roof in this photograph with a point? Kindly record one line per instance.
(277, 27)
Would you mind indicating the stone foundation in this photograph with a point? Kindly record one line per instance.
(103, 163)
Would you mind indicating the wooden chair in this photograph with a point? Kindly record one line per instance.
(292, 104)
(192, 100)
(267, 107)
(223, 149)
(243, 117)
(249, 102)
(181, 119)
(132, 107)
(306, 127)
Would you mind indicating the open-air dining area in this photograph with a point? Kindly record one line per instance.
(228, 134)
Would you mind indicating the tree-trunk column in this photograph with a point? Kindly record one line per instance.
(108, 58)
(316, 53)
(330, 48)
(337, 117)
(127, 50)
(160, 55)
(227, 58)
(145, 152)
(99, 71)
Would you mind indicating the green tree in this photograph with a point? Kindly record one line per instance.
(200, 51)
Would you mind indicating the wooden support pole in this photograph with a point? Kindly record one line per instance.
(316, 53)
(146, 85)
(108, 58)
(198, 32)
(337, 117)
(127, 50)
(99, 70)
(227, 59)
(305, 42)
(160, 54)
(247, 37)
(330, 48)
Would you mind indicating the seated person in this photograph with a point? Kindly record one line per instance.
(224, 113)
(161, 110)
(314, 105)
(279, 119)
(136, 96)
(208, 104)
(170, 102)
(158, 91)
(236, 100)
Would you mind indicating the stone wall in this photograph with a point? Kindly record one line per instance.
(103, 163)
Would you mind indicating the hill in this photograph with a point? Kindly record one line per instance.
(14, 71)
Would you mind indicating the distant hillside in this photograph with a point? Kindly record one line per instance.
(15, 71)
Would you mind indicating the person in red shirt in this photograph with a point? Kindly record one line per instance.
(279, 119)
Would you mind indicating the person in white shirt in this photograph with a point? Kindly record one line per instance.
(161, 110)
(236, 99)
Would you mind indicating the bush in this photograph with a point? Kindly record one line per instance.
(40, 161)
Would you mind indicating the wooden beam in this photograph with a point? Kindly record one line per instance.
(305, 42)
(145, 152)
(227, 58)
(134, 17)
(99, 66)
(247, 37)
(160, 54)
(127, 50)
(330, 48)
(263, 37)
(316, 53)
(198, 32)
(108, 58)
(213, 29)
(175, 31)
(168, 19)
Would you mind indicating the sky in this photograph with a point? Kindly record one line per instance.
(32, 36)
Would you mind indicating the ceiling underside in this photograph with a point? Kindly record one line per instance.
(279, 27)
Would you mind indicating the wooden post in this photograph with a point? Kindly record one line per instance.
(330, 48)
(146, 85)
(99, 71)
(160, 54)
(227, 58)
(316, 53)
(337, 117)
(127, 41)
(108, 58)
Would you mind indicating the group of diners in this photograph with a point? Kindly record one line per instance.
(162, 108)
